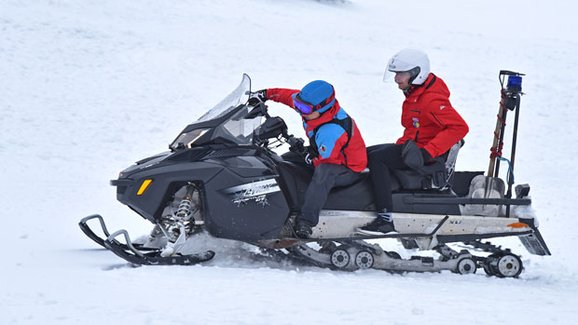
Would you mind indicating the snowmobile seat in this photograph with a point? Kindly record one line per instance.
(297, 176)
(436, 175)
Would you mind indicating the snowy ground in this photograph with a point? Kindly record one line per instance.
(88, 87)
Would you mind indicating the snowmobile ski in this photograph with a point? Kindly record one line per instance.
(83, 224)
(90, 233)
(155, 257)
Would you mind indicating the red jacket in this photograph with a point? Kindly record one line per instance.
(429, 118)
(330, 137)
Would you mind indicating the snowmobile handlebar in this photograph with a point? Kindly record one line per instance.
(258, 110)
(275, 127)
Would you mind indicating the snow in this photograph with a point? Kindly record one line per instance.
(88, 87)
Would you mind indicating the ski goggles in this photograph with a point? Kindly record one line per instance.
(306, 108)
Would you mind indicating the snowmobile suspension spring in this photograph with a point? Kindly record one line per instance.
(184, 210)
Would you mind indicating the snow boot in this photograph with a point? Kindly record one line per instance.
(303, 229)
(382, 224)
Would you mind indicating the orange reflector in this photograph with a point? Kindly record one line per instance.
(518, 225)
(143, 187)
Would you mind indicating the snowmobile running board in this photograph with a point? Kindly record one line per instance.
(532, 239)
(476, 201)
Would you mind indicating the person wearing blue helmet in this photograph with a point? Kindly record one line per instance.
(336, 145)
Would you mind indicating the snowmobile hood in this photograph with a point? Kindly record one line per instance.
(144, 164)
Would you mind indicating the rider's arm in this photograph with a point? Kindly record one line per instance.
(281, 95)
(454, 128)
(330, 140)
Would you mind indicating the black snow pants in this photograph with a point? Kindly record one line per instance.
(325, 177)
(382, 159)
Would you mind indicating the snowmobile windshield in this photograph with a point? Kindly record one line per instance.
(224, 123)
(238, 96)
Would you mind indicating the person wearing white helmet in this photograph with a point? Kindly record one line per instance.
(431, 127)
(411, 67)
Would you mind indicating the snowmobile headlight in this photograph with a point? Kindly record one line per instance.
(143, 187)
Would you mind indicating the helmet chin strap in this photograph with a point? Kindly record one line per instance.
(413, 74)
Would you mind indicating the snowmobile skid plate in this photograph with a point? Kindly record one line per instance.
(153, 257)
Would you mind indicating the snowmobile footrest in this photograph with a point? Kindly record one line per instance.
(129, 253)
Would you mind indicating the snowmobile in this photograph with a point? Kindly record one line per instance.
(223, 178)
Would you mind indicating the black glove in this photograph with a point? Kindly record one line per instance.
(257, 97)
(412, 155)
(296, 145)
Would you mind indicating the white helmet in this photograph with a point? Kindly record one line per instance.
(413, 61)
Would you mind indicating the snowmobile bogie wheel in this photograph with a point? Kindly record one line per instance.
(466, 266)
(340, 258)
(364, 260)
(327, 247)
(490, 264)
(488, 268)
(508, 266)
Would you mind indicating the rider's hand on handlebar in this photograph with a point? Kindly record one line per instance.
(309, 154)
(308, 159)
(257, 97)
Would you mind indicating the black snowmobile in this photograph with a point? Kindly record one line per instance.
(222, 178)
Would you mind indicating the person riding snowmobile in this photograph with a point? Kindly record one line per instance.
(336, 146)
(432, 127)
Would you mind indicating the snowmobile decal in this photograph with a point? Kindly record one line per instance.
(256, 191)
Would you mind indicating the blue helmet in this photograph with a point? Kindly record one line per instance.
(316, 96)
